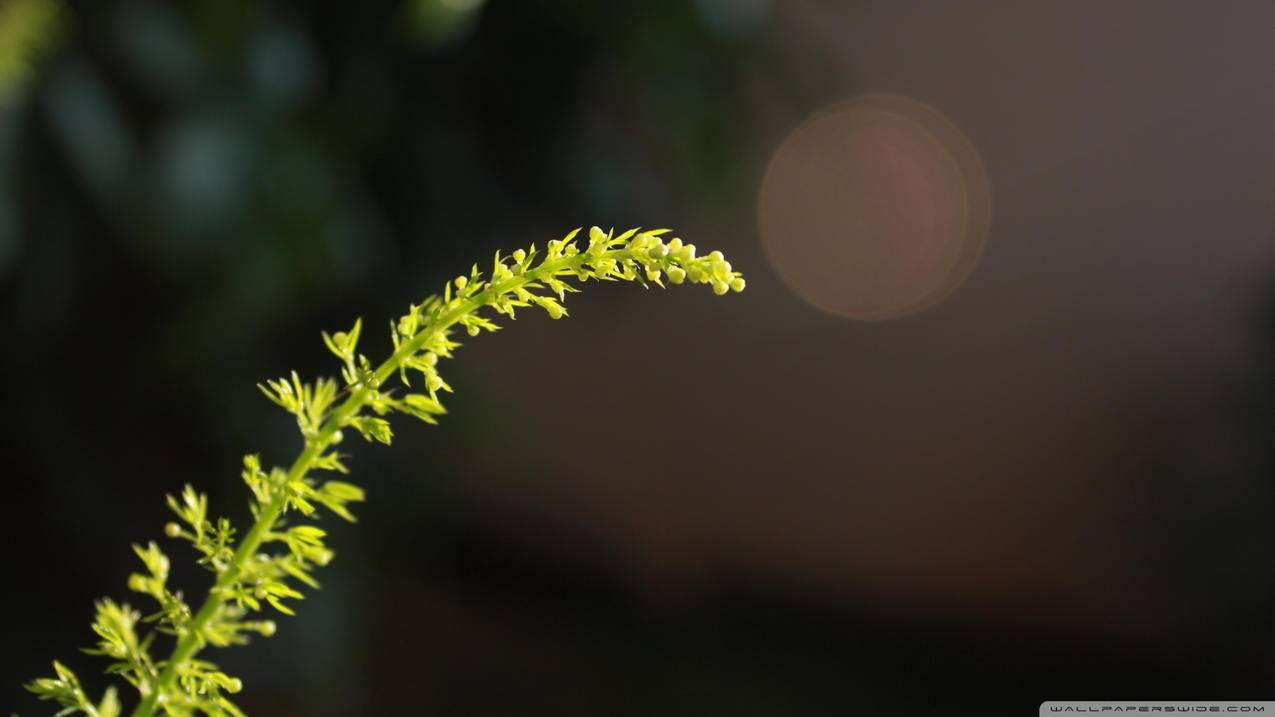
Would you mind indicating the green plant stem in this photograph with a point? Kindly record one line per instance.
(192, 640)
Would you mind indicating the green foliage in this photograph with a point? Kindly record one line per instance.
(66, 691)
(29, 30)
(252, 574)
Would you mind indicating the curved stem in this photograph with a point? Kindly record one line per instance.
(192, 640)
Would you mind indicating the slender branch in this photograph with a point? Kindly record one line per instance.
(192, 641)
(246, 576)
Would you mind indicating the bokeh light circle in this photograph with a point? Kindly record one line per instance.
(875, 208)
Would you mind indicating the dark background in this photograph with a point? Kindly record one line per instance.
(1053, 485)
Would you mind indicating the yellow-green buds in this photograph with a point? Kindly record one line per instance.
(262, 567)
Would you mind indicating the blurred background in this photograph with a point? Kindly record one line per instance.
(992, 423)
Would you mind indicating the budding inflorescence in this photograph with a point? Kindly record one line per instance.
(265, 565)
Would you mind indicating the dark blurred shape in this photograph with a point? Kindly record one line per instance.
(735, 18)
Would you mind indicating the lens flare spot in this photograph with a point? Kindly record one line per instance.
(875, 208)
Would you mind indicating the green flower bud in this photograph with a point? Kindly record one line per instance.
(259, 575)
